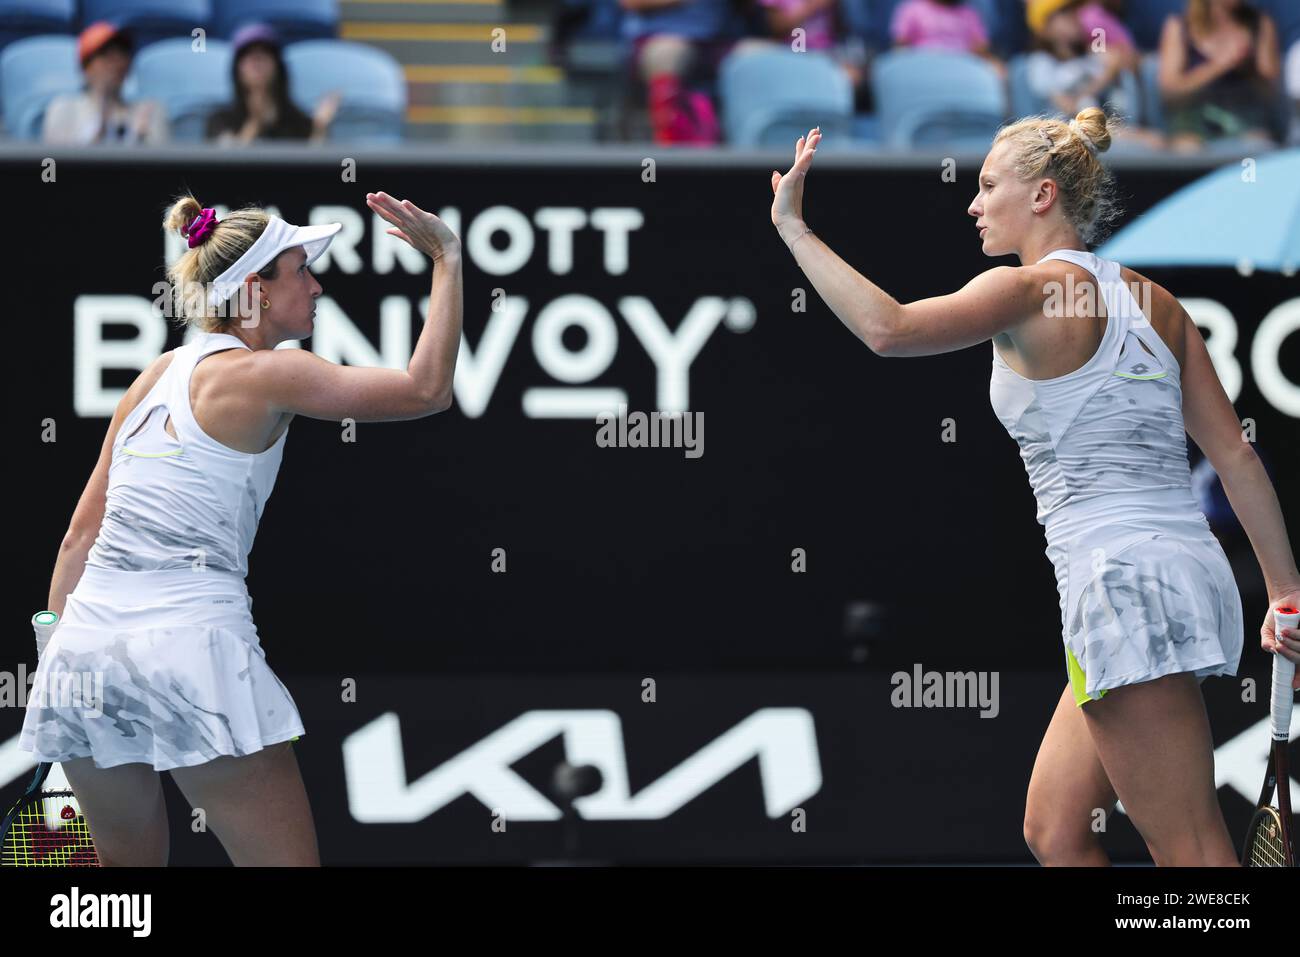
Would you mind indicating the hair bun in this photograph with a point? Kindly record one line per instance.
(1092, 126)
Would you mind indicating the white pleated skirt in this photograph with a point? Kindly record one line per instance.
(1137, 604)
(157, 667)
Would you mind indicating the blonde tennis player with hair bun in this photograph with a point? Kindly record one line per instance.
(1097, 396)
(149, 580)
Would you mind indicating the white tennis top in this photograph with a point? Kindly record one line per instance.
(1104, 443)
(183, 502)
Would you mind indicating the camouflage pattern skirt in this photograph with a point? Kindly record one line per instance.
(158, 667)
(1140, 604)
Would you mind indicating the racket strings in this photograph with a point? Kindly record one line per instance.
(1264, 844)
(31, 841)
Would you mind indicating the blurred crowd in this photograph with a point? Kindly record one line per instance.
(1221, 69)
(260, 110)
(1218, 66)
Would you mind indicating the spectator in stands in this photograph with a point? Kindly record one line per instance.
(98, 114)
(1219, 71)
(1104, 31)
(816, 18)
(262, 109)
(671, 40)
(1073, 69)
(942, 25)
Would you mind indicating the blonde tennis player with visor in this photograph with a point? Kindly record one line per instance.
(149, 580)
(1097, 397)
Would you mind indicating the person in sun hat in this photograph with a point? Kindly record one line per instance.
(98, 113)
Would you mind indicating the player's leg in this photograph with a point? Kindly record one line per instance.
(257, 806)
(124, 809)
(1154, 741)
(1068, 793)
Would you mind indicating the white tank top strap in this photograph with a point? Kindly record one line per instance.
(1138, 350)
(181, 372)
(1123, 313)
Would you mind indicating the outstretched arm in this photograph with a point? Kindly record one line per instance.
(297, 381)
(994, 301)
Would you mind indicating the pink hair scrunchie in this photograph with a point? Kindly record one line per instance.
(201, 226)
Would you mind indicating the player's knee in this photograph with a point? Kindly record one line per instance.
(129, 854)
(1055, 841)
(1191, 848)
(141, 844)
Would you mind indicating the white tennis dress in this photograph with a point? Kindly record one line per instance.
(161, 619)
(1145, 588)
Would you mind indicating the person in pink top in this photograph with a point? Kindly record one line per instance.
(1103, 31)
(942, 25)
(814, 17)
(816, 20)
(1094, 16)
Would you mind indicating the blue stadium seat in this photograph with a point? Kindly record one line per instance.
(189, 85)
(294, 19)
(772, 97)
(370, 80)
(151, 20)
(927, 97)
(32, 72)
(1153, 109)
(28, 18)
(1024, 101)
(1144, 18)
(1003, 20)
(866, 129)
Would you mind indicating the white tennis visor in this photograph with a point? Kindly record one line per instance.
(275, 239)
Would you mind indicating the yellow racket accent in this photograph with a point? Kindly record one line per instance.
(32, 842)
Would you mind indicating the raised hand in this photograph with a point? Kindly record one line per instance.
(787, 202)
(424, 231)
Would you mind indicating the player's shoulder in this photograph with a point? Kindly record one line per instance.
(279, 360)
(154, 370)
(145, 381)
(261, 369)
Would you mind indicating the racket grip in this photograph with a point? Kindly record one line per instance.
(44, 623)
(1283, 673)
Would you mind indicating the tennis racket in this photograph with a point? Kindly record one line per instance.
(45, 826)
(1269, 840)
